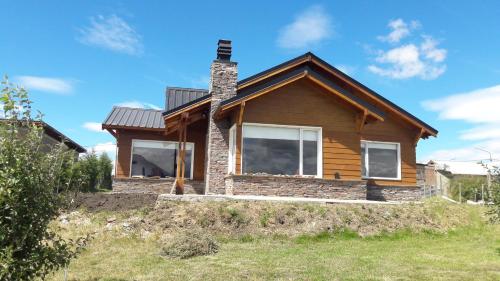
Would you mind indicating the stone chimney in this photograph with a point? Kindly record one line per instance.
(223, 79)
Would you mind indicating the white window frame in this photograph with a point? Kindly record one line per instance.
(301, 129)
(174, 142)
(233, 139)
(367, 166)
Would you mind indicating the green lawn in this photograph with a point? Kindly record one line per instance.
(471, 253)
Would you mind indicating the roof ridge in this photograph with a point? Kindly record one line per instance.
(139, 108)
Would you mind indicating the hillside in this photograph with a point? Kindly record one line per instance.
(434, 240)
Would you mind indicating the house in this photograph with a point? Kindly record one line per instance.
(301, 128)
(52, 137)
(439, 174)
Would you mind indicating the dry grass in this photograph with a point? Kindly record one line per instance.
(292, 242)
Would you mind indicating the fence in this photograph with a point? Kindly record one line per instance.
(459, 192)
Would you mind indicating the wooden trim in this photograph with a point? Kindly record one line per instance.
(262, 92)
(361, 120)
(419, 135)
(195, 105)
(354, 103)
(240, 115)
(113, 133)
(417, 124)
(277, 71)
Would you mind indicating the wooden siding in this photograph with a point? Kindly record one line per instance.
(196, 133)
(303, 103)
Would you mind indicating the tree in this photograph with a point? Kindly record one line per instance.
(32, 182)
(105, 170)
(495, 194)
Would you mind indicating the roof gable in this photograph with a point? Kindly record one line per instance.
(314, 61)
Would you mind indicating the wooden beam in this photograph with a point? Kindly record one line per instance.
(340, 95)
(186, 109)
(391, 108)
(174, 126)
(419, 135)
(240, 115)
(113, 133)
(361, 120)
(283, 83)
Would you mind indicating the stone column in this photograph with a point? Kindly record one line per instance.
(223, 80)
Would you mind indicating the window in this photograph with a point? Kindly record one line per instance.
(158, 159)
(232, 150)
(380, 160)
(282, 150)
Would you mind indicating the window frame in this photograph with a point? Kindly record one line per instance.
(319, 130)
(174, 142)
(233, 140)
(367, 169)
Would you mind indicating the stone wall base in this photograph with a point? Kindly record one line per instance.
(295, 187)
(393, 193)
(157, 186)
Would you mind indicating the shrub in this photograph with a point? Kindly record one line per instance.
(33, 175)
(191, 243)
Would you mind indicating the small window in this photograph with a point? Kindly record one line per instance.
(281, 150)
(158, 159)
(380, 160)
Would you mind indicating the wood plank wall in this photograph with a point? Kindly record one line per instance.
(303, 103)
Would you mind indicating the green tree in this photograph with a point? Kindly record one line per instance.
(105, 170)
(495, 194)
(32, 182)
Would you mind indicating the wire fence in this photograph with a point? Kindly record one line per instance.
(479, 194)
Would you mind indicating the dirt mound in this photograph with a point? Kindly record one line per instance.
(94, 202)
(265, 218)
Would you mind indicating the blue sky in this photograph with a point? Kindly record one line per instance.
(440, 61)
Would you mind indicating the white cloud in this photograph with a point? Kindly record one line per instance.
(423, 60)
(478, 107)
(408, 61)
(309, 28)
(93, 126)
(399, 30)
(46, 84)
(112, 33)
(107, 147)
(138, 104)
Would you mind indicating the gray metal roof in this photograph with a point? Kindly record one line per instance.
(176, 97)
(135, 117)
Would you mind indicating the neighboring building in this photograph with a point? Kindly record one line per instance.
(439, 174)
(301, 128)
(53, 137)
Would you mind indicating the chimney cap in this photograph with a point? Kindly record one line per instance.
(224, 50)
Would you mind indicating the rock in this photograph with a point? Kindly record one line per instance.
(111, 220)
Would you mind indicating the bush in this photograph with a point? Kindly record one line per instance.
(96, 170)
(191, 243)
(33, 175)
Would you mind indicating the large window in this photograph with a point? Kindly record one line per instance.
(232, 150)
(380, 160)
(159, 159)
(282, 150)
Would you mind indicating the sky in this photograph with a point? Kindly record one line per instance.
(440, 60)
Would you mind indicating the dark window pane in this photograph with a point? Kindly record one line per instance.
(153, 162)
(310, 154)
(271, 156)
(383, 162)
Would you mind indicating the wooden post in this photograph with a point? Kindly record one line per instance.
(181, 163)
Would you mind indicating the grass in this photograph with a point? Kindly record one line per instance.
(466, 253)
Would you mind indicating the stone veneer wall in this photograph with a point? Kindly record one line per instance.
(394, 193)
(158, 186)
(223, 79)
(295, 187)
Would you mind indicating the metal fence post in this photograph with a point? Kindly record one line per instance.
(460, 192)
